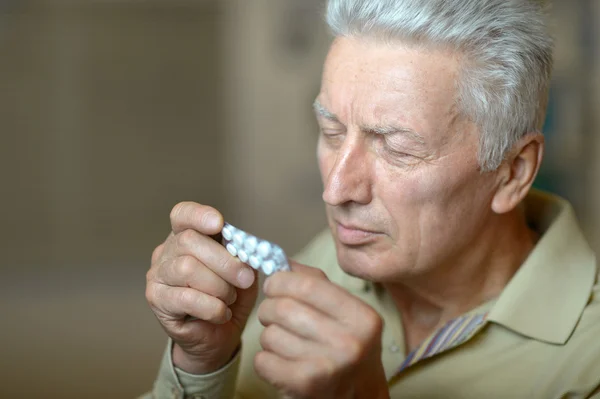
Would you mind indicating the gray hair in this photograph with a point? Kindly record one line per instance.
(507, 53)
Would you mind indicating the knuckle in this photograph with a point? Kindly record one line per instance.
(185, 266)
(320, 274)
(307, 287)
(373, 323)
(185, 238)
(151, 296)
(150, 275)
(353, 350)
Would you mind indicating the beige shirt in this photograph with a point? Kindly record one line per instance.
(539, 339)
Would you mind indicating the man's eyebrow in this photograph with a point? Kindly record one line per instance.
(324, 112)
(405, 131)
(383, 130)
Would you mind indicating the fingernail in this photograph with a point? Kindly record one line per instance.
(212, 221)
(228, 314)
(233, 297)
(245, 277)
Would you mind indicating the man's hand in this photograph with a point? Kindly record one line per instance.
(193, 275)
(319, 340)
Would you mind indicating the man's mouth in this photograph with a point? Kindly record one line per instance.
(352, 235)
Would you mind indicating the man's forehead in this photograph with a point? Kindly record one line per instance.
(371, 84)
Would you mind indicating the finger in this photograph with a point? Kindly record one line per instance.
(157, 253)
(284, 344)
(213, 255)
(298, 319)
(300, 379)
(316, 292)
(202, 218)
(187, 271)
(307, 270)
(178, 302)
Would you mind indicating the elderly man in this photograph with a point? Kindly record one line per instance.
(441, 275)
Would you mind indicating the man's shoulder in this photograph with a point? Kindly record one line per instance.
(587, 332)
(576, 364)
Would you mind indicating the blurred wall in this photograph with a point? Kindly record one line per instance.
(110, 115)
(273, 61)
(112, 111)
(594, 117)
(572, 140)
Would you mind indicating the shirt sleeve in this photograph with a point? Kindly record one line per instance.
(173, 383)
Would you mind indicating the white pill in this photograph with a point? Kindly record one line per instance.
(238, 239)
(278, 252)
(231, 249)
(242, 255)
(281, 260)
(250, 244)
(264, 248)
(268, 267)
(255, 262)
(227, 232)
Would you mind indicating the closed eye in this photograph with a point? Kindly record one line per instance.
(332, 138)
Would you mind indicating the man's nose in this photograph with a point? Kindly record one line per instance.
(349, 179)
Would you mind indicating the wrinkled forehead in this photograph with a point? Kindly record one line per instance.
(367, 82)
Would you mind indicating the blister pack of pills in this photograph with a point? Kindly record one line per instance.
(258, 253)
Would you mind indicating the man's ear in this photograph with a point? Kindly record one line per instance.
(517, 172)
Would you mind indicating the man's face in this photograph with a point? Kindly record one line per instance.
(402, 187)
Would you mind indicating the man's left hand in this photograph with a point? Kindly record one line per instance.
(319, 340)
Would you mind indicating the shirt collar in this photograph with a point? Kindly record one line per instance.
(546, 297)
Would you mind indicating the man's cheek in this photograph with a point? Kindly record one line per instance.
(434, 185)
(410, 191)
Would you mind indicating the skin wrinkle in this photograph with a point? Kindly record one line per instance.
(433, 210)
(381, 129)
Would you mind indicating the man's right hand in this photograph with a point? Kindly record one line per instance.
(193, 275)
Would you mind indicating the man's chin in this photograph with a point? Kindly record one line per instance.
(371, 263)
(357, 264)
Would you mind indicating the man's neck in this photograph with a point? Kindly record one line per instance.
(479, 274)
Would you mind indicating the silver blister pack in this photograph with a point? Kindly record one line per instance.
(256, 252)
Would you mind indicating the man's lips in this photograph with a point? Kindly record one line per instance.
(353, 235)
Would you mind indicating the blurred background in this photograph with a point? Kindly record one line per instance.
(113, 111)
